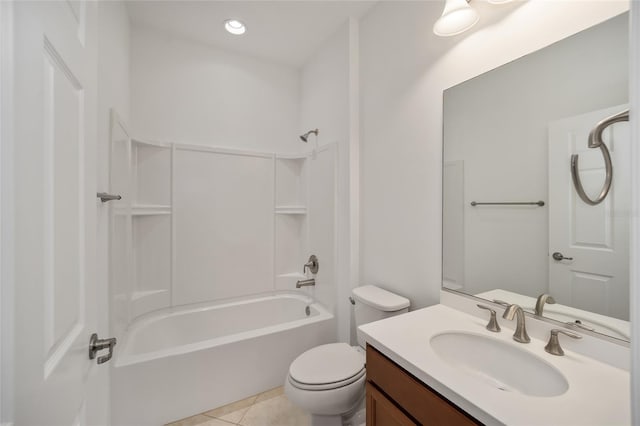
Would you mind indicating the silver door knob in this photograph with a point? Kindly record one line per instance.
(559, 256)
(96, 345)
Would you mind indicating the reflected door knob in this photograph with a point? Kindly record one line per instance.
(559, 256)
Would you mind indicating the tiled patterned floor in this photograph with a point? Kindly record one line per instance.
(270, 408)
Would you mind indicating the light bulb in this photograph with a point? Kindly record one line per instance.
(234, 26)
(457, 17)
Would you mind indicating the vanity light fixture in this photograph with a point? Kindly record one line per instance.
(234, 27)
(457, 17)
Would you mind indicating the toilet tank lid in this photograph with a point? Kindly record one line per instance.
(379, 298)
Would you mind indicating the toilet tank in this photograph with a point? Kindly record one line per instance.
(374, 303)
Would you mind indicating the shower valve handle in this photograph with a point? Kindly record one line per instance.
(312, 264)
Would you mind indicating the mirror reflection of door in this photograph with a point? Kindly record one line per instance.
(596, 237)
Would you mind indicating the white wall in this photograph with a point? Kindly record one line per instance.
(324, 83)
(113, 92)
(404, 69)
(223, 218)
(190, 92)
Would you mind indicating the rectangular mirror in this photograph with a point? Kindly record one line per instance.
(508, 139)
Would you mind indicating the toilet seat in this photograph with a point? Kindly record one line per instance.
(325, 367)
(327, 386)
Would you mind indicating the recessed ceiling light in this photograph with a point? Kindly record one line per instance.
(234, 26)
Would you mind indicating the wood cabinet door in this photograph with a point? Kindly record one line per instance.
(382, 412)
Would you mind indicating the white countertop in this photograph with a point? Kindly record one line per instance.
(598, 393)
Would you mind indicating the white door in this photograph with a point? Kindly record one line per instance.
(595, 237)
(55, 209)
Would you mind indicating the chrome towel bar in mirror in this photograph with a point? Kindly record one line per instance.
(595, 141)
(515, 203)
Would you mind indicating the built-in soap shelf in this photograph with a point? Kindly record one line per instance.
(146, 294)
(288, 280)
(149, 143)
(296, 275)
(150, 300)
(150, 209)
(291, 210)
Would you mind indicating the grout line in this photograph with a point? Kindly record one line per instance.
(255, 399)
(245, 413)
(235, 424)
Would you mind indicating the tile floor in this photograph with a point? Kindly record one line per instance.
(270, 408)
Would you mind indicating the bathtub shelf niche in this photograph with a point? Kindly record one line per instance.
(290, 248)
(291, 184)
(151, 173)
(291, 223)
(152, 225)
(152, 263)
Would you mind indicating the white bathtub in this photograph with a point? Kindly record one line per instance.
(178, 362)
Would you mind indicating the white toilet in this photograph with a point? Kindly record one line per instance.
(328, 381)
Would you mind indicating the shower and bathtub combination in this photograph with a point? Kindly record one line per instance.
(175, 363)
(207, 246)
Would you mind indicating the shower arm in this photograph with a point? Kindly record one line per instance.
(305, 137)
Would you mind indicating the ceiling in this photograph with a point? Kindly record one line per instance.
(286, 32)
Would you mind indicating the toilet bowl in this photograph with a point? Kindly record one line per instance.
(328, 381)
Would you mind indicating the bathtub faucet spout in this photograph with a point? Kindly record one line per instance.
(306, 283)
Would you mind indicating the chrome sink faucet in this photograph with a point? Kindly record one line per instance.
(542, 299)
(520, 334)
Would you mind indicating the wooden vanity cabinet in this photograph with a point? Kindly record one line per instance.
(396, 398)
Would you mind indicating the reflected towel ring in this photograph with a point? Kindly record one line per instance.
(595, 141)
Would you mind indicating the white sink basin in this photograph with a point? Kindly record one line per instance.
(499, 364)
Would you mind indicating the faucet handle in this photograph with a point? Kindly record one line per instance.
(493, 322)
(553, 347)
(312, 264)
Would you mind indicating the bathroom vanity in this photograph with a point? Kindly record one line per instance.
(440, 365)
(395, 397)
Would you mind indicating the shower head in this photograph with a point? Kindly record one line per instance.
(305, 137)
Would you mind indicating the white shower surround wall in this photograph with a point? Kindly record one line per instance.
(201, 214)
(181, 361)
